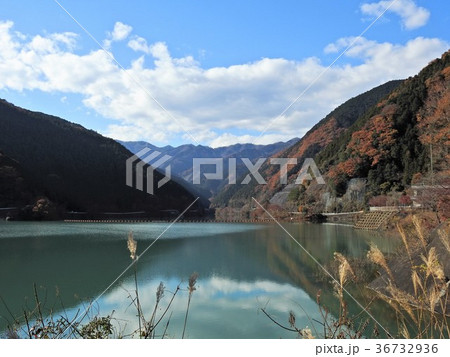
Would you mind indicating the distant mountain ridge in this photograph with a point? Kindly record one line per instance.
(75, 168)
(182, 156)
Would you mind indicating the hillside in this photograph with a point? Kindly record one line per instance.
(13, 189)
(75, 168)
(403, 141)
(391, 142)
(381, 142)
(323, 133)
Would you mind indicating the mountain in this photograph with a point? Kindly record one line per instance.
(404, 140)
(182, 159)
(371, 148)
(46, 157)
(13, 188)
(330, 128)
(392, 142)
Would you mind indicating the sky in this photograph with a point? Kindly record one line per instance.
(209, 72)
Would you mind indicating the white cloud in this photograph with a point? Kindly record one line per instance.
(121, 31)
(412, 16)
(139, 44)
(388, 58)
(67, 38)
(218, 106)
(214, 295)
(355, 43)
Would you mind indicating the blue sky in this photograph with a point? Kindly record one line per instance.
(209, 72)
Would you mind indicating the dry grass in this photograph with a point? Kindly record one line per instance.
(344, 325)
(147, 329)
(191, 288)
(415, 285)
(376, 256)
(419, 290)
(132, 246)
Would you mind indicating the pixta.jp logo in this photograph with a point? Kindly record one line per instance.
(142, 161)
(253, 170)
(153, 160)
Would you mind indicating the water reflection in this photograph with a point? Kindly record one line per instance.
(242, 267)
(220, 308)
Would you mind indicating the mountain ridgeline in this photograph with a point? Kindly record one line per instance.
(391, 143)
(382, 140)
(76, 169)
(316, 139)
(182, 157)
(387, 138)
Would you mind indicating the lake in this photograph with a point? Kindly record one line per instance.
(241, 269)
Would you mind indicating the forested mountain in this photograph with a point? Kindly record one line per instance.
(323, 133)
(182, 156)
(388, 138)
(13, 188)
(391, 142)
(391, 136)
(75, 168)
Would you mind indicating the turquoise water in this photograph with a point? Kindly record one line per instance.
(242, 268)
